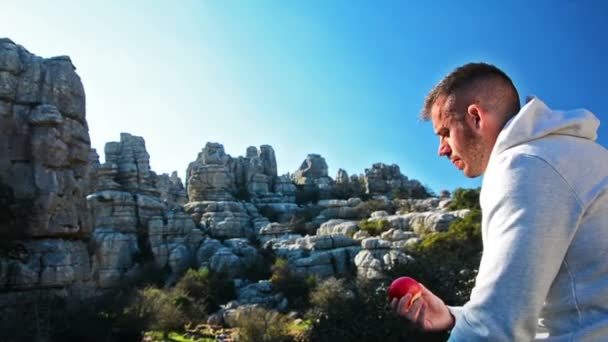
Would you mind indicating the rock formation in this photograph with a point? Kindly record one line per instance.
(131, 219)
(382, 179)
(216, 176)
(44, 174)
(313, 174)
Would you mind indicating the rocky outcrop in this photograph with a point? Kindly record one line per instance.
(45, 139)
(313, 174)
(380, 254)
(131, 218)
(322, 255)
(45, 176)
(222, 220)
(216, 176)
(233, 257)
(338, 209)
(172, 189)
(338, 226)
(174, 241)
(424, 222)
(342, 177)
(382, 179)
(276, 231)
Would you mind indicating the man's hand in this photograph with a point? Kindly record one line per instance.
(428, 312)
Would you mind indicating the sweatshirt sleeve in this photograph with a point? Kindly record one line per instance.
(530, 215)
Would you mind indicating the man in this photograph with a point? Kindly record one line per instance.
(544, 201)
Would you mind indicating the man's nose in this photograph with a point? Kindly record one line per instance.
(444, 148)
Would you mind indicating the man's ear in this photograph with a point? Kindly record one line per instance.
(475, 115)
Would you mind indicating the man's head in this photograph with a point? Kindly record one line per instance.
(468, 109)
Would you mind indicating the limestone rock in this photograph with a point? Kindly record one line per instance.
(383, 179)
(172, 189)
(275, 231)
(216, 176)
(221, 219)
(45, 264)
(342, 177)
(232, 258)
(338, 226)
(313, 173)
(322, 256)
(133, 164)
(174, 241)
(46, 145)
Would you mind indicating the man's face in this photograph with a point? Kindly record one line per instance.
(458, 139)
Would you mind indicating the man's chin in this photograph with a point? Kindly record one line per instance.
(470, 174)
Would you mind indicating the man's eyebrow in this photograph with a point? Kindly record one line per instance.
(441, 130)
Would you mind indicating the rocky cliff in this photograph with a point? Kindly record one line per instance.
(74, 228)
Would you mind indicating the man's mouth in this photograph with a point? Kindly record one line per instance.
(457, 162)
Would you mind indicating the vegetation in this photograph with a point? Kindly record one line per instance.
(307, 195)
(294, 287)
(447, 262)
(465, 199)
(261, 325)
(270, 213)
(355, 311)
(374, 227)
(300, 221)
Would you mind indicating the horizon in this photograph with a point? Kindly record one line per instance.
(344, 80)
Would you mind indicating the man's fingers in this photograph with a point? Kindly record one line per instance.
(402, 308)
(421, 321)
(414, 311)
(394, 303)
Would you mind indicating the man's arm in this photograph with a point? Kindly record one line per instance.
(530, 217)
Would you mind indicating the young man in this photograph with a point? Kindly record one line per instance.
(544, 201)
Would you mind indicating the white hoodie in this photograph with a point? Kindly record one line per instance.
(544, 200)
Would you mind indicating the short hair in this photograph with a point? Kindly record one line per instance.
(467, 76)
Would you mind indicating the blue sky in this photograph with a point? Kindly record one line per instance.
(344, 79)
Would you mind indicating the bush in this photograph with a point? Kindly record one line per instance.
(261, 325)
(270, 213)
(100, 319)
(465, 199)
(294, 287)
(447, 262)
(374, 227)
(299, 221)
(242, 194)
(346, 311)
(162, 308)
(206, 289)
(306, 195)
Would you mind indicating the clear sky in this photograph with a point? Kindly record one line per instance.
(344, 79)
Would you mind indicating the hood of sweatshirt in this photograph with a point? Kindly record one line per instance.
(535, 120)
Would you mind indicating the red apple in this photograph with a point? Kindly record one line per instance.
(404, 285)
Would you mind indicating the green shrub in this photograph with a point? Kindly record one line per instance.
(447, 262)
(374, 227)
(163, 308)
(347, 311)
(208, 290)
(270, 213)
(299, 221)
(307, 194)
(294, 287)
(261, 325)
(242, 194)
(465, 199)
